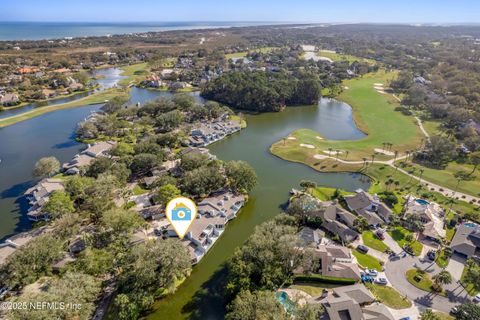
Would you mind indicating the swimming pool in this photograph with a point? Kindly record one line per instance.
(422, 202)
(471, 225)
(288, 304)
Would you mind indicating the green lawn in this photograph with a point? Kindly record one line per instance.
(138, 190)
(389, 296)
(442, 260)
(399, 234)
(446, 177)
(313, 289)
(96, 98)
(432, 127)
(444, 316)
(469, 287)
(372, 241)
(135, 73)
(368, 107)
(421, 280)
(367, 261)
(326, 193)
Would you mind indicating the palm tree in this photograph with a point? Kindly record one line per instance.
(330, 151)
(408, 155)
(346, 154)
(383, 145)
(373, 157)
(395, 155)
(421, 174)
(337, 152)
(364, 161)
(443, 277)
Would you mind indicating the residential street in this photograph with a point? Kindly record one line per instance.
(395, 272)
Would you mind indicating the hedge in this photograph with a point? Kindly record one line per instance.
(322, 279)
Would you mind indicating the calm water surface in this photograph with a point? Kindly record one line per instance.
(201, 296)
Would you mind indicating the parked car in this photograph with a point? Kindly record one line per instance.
(362, 248)
(432, 254)
(477, 298)
(371, 272)
(380, 235)
(381, 281)
(366, 278)
(406, 318)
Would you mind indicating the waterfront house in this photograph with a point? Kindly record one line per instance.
(39, 194)
(8, 99)
(86, 157)
(310, 237)
(337, 220)
(209, 132)
(369, 206)
(225, 204)
(466, 241)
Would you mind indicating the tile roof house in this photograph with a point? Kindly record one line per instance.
(354, 302)
(368, 206)
(337, 220)
(429, 213)
(8, 99)
(467, 240)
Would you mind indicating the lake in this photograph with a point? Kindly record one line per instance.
(201, 295)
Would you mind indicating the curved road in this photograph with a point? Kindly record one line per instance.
(395, 273)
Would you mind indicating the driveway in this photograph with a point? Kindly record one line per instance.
(456, 265)
(395, 272)
(392, 243)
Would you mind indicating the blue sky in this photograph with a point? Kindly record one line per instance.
(376, 11)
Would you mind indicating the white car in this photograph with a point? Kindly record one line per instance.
(381, 281)
(371, 272)
(477, 298)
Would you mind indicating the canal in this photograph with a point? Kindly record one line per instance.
(201, 295)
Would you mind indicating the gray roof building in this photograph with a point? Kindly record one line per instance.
(467, 240)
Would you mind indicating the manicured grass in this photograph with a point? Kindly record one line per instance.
(443, 316)
(446, 177)
(389, 296)
(372, 241)
(422, 281)
(442, 260)
(240, 54)
(138, 190)
(368, 107)
(313, 289)
(326, 193)
(134, 72)
(469, 287)
(432, 127)
(399, 234)
(243, 123)
(95, 98)
(367, 261)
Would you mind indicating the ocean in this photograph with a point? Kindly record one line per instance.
(56, 30)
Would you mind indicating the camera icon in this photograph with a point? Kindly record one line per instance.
(181, 213)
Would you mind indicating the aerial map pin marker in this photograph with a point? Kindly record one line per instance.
(181, 212)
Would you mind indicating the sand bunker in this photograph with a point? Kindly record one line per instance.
(332, 153)
(388, 153)
(319, 138)
(378, 84)
(309, 146)
(320, 156)
(346, 88)
(291, 138)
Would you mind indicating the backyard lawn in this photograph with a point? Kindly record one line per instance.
(422, 281)
(469, 287)
(371, 240)
(399, 234)
(389, 296)
(313, 289)
(326, 193)
(367, 261)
